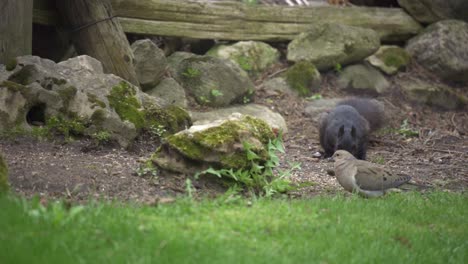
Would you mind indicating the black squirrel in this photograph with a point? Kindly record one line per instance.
(348, 126)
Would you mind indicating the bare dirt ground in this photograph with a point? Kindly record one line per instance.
(437, 157)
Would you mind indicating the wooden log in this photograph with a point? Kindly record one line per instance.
(238, 21)
(15, 29)
(97, 33)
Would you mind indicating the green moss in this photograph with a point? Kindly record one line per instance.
(3, 175)
(92, 98)
(303, 78)
(187, 146)
(260, 128)
(122, 99)
(235, 160)
(98, 117)
(67, 94)
(23, 76)
(395, 57)
(11, 64)
(171, 118)
(12, 86)
(66, 127)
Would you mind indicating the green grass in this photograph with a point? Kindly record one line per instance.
(400, 228)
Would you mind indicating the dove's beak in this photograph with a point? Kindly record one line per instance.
(330, 159)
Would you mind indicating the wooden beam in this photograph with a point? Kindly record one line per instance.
(238, 21)
(15, 29)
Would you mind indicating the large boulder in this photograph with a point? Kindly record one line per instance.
(150, 63)
(252, 56)
(442, 49)
(432, 94)
(219, 144)
(39, 92)
(329, 45)
(3, 175)
(211, 81)
(273, 119)
(363, 78)
(430, 11)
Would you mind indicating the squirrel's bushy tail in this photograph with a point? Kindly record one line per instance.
(370, 109)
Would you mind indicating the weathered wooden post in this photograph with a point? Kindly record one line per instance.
(15, 28)
(97, 33)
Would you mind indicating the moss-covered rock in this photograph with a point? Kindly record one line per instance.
(218, 144)
(363, 78)
(303, 78)
(3, 175)
(212, 81)
(122, 98)
(331, 44)
(171, 118)
(252, 56)
(390, 59)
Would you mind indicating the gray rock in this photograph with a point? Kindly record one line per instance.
(273, 119)
(390, 59)
(212, 81)
(276, 86)
(304, 78)
(252, 56)
(430, 11)
(362, 78)
(76, 90)
(170, 91)
(432, 94)
(316, 108)
(442, 49)
(328, 45)
(150, 63)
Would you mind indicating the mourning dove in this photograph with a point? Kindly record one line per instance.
(366, 178)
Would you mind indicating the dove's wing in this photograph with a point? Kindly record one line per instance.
(372, 177)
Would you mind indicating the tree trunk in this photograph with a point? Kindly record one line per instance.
(97, 33)
(15, 29)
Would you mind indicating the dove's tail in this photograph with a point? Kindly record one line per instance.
(412, 186)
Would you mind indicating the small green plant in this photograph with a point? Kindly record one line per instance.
(147, 170)
(57, 213)
(406, 131)
(379, 160)
(216, 92)
(189, 189)
(261, 177)
(203, 100)
(338, 67)
(191, 72)
(245, 100)
(157, 130)
(65, 127)
(244, 63)
(314, 97)
(101, 137)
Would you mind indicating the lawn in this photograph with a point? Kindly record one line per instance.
(400, 228)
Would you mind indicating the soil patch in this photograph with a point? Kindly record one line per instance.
(438, 156)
